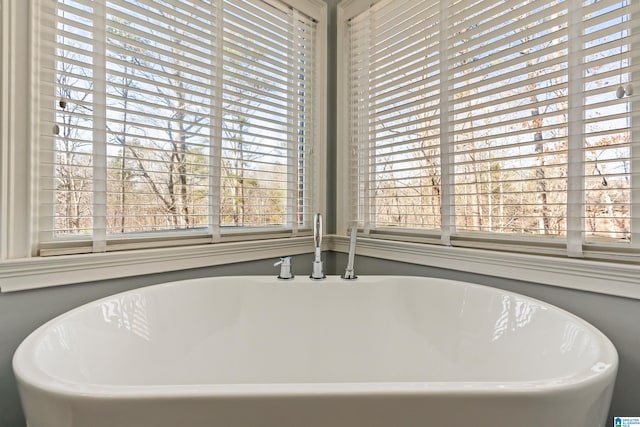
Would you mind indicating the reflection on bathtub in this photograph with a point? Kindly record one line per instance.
(129, 313)
(516, 313)
(574, 339)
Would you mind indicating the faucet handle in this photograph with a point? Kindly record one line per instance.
(285, 268)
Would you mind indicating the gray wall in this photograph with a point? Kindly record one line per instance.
(618, 318)
(332, 66)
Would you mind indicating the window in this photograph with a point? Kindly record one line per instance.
(495, 124)
(173, 122)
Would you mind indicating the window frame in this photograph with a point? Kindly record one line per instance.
(544, 265)
(576, 240)
(21, 267)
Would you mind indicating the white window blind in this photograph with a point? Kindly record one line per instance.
(172, 121)
(395, 129)
(496, 123)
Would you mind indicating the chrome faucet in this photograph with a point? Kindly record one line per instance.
(317, 272)
(348, 273)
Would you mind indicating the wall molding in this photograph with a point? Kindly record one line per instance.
(607, 278)
(33, 273)
(622, 280)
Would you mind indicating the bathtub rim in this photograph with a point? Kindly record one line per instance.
(29, 375)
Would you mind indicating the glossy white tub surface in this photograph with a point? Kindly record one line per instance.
(389, 351)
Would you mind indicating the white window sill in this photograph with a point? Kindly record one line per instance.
(33, 273)
(601, 277)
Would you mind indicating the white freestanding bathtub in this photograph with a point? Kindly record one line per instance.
(256, 351)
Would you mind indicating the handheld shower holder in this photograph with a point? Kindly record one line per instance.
(317, 272)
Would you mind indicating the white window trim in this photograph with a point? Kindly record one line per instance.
(20, 268)
(592, 276)
(15, 176)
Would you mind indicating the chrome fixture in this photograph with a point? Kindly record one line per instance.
(285, 268)
(317, 273)
(348, 273)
